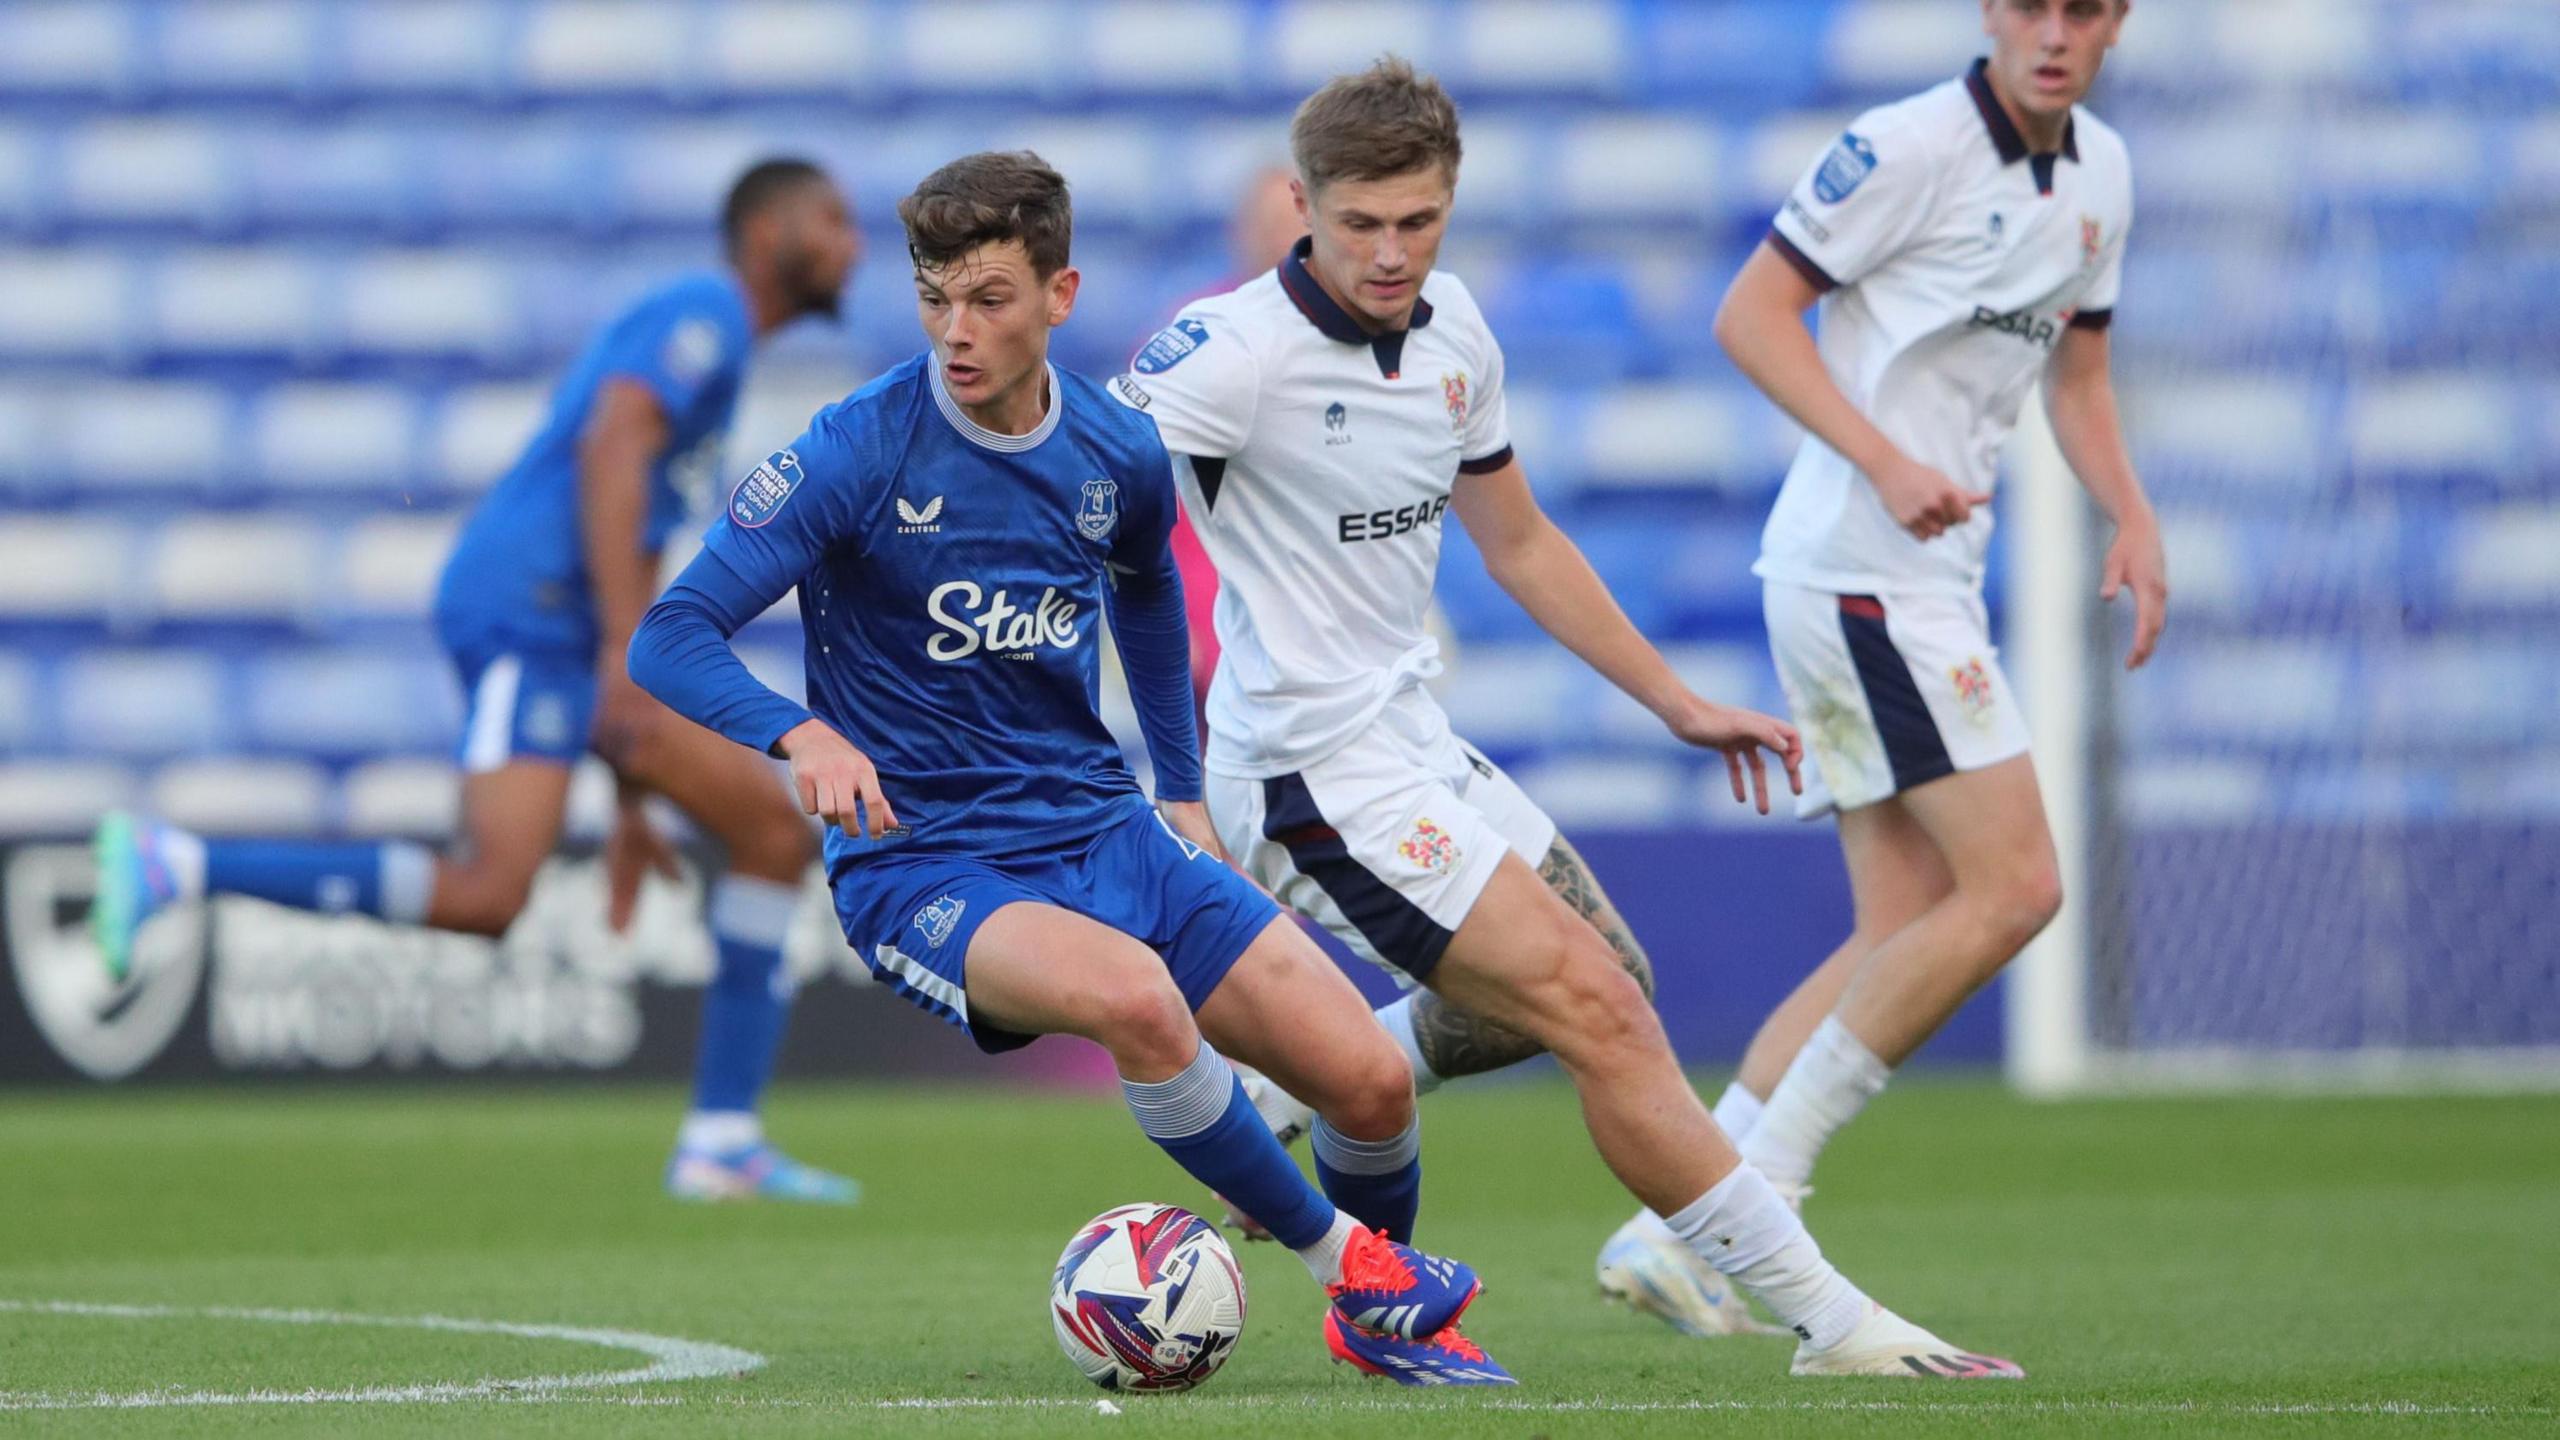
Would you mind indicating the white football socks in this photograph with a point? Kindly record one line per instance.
(1832, 1079)
(1398, 1022)
(182, 851)
(1324, 1258)
(1743, 1229)
(1737, 1112)
(719, 1132)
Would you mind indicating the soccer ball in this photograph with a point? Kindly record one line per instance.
(1147, 1297)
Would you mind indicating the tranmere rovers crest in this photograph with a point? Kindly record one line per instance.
(1973, 687)
(1100, 509)
(1453, 388)
(1429, 847)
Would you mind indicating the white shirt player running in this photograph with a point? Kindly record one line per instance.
(1949, 270)
(1316, 462)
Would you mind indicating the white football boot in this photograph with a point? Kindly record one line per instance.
(1654, 1273)
(1885, 1344)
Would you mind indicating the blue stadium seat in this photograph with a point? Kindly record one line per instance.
(333, 436)
(64, 305)
(22, 698)
(583, 47)
(236, 569)
(52, 798)
(388, 566)
(264, 301)
(1133, 48)
(144, 435)
(63, 568)
(68, 47)
(409, 796)
(1545, 47)
(399, 49)
(150, 170)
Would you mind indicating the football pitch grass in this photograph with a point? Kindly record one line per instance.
(2231, 1267)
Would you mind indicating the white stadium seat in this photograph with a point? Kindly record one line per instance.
(2507, 555)
(228, 568)
(2248, 690)
(63, 569)
(777, 406)
(236, 44)
(1114, 165)
(406, 797)
(53, 797)
(143, 702)
(1594, 791)
(1003, 45)
(86, 45)
(62, 303)
(389, 566)
(1654, 166)
(2261, 429)
(481, 429)
(172, 170)
(429, 301)
(2434, 422)
(352, 702)
(1658, 435)
(1545, 45)
(2214, 564)
(2279, 41)
(1897, 45)
(399, 45)
(1315, 42)
(234, 300)
(141, 434)
(1774, 154)
(766, 45)
(1165, 46)
(18, 178)
(242, 797)
(580, 45)
(681, 173)
(1730, 674)
(1508, 694)
(332, 435)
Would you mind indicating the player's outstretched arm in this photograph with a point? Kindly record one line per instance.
(1539, 565)
(1761, 325)
(2080, 399)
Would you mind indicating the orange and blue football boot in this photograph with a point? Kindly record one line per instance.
(1443, 1358)
(1397, 1290)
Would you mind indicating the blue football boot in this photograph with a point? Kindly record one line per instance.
(1397, 1290)
(1446, 1358)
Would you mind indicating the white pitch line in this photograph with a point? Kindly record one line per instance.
(1319, 1403)
(671, 1358)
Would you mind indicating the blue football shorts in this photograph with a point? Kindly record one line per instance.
(911, 916)
(524, 705)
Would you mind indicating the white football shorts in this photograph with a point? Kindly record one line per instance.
(1387, 841)
(1890, 691)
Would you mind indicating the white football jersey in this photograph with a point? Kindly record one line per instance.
(1950, 260)
(1316, 462)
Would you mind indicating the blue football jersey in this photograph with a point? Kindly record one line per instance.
(518, 575)
(951, 583)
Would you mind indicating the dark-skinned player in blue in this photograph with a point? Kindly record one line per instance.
(956, 531)
(536, 609)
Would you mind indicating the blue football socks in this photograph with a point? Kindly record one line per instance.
(1203, 1120)
(1378, 1181)
(748, 1001)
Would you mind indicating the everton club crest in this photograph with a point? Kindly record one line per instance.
(1100, 509)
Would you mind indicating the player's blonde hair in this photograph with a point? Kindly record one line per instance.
(1385, 121)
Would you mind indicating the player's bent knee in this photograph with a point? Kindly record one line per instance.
(2029, 901)
(1373, 1097)
(1145, 1021)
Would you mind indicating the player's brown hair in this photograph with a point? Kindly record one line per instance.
(987, 199)
(1384, 121)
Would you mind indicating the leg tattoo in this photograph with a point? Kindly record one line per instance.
(1456, 1043)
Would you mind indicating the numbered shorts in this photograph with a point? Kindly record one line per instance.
(912, 916)
(1388, 841)
(524, 705)
(1889, 691)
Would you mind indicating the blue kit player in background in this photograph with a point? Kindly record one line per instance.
(537, 605)
(954, 530)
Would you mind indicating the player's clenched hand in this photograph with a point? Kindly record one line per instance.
(2136, 562)
(1742, 735)
(1923, 501)
(836, 782)
(632, 849)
